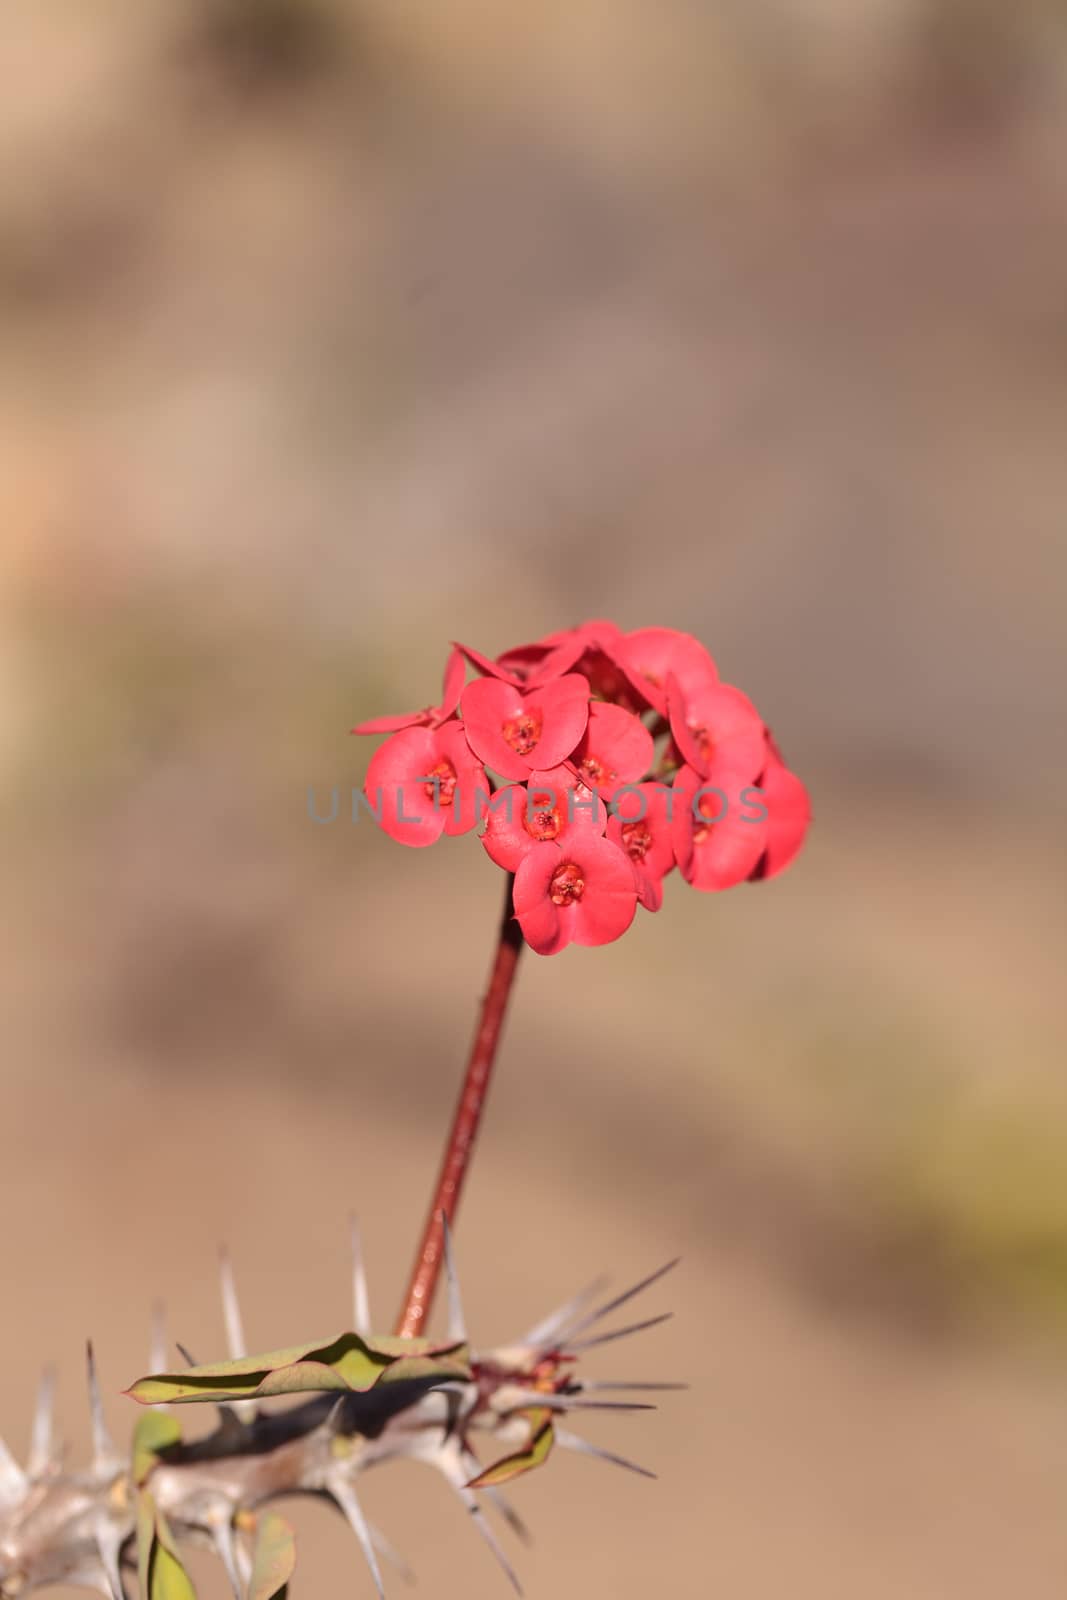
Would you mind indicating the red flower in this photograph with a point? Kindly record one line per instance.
(651, 656)
(431, 716)
(546, 810)
(589, 649)
(788, 816)
(573, 722)
(424, 782)
(719, 829)
(640, 824)
(517, 731)
(718, 731)
(582, 894)
(536, 664)
(616, 747)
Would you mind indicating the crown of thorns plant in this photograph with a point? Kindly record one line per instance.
(577, 728)
(370, 1400)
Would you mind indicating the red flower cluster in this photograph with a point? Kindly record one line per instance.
(624, 756)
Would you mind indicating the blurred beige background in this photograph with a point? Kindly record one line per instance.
(330, 332)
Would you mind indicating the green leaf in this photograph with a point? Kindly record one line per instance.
(273, 1558)
(159, 1567)
(153, 1434)
(542, 1438)
(348, 1363)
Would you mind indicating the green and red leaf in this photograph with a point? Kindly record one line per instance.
(273, 1558)
(542, 1438)
(159, 1567)
(348, 1363)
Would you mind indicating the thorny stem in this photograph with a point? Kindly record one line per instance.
(459, 1146)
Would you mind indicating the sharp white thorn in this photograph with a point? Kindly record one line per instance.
(108, 1545)
(566, 1402)
(506, 1511)
(614, 1304)
(497, 1499)
(236, 1344)
(545, 1333)
(105, 1456)
(231, 1308)
(451, 1465)
(345, 1496)
(42, 1443)
(332, 1418)
(86, 1574)
(457, 1327)
(244, 1564)
(225, 1542)
(593, 1385)
(575, 1346)
(12, 1477)
(388, 1552)
(360, 1292)
(574, 1441)
(157, 1347)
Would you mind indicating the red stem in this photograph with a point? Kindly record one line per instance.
(465, 1123)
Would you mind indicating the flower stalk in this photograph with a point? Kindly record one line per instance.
(459, 1144)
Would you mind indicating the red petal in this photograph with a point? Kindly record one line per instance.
(729, 847)
(558, 660)
(788, 819)
(731, 723)
(487, 704)
(649, 889)
(607, 907)
(618, 742)
(451, 685)
(649, 656)
(652, 804)
(491, 669)
(471, 794)
(540, 920)
(395, 793)
(564, 706)
(506, 840)
(404, 719)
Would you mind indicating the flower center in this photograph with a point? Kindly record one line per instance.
(442, 783)
(712, 811)
(594, 771)
(636, 839)
(567, 885)
(522, 732)
(705, 743)
(542, 823)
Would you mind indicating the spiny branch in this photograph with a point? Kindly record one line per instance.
(82, 1528)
